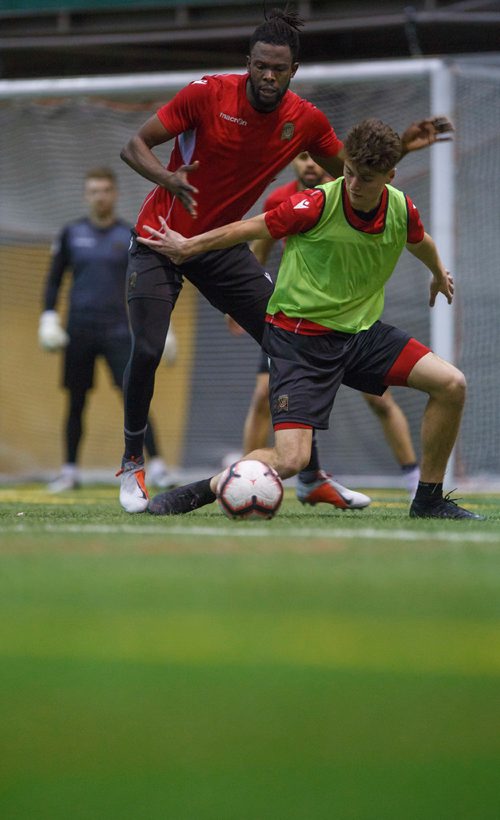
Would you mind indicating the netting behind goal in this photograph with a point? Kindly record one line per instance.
(47, 144)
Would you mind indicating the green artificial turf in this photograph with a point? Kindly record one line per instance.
(321, 665)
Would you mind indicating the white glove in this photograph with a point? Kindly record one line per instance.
(169, 354)
(51, 336)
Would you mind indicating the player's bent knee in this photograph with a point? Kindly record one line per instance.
(439, 378)
(450, 387)
(456, 386)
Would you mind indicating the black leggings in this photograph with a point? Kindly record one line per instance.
(74, 424)
(74, 427)
(149, 321)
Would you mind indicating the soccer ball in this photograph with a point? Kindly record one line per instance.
(249, 489)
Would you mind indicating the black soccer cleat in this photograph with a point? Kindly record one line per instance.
(443, 507)
(182, 499)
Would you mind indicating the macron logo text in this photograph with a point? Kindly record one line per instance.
(237, 120)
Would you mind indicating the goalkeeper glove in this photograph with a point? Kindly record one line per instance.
(169, 354)
(51, 336)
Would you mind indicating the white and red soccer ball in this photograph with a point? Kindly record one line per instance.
(249, 489)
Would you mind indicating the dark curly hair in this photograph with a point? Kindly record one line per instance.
(280, 28)
(373, 144)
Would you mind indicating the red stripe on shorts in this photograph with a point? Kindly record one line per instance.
(291, 425)
(404, 364)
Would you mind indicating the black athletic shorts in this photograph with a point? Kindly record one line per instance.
(232, 280)
(86, 343)
(263, 366)
(307, 371)
(150, 275)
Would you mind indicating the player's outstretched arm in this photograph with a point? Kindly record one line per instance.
(426, 132)
(139, 155)
(178, 248)
(442, 280)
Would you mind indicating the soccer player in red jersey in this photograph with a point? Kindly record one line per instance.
(233, 133)
(323, 328)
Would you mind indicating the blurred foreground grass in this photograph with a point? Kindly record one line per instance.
(322, 665)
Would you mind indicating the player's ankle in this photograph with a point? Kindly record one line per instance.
(429, 492)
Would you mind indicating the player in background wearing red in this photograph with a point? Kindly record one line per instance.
(258, 420)
(323, 328)
(232, 135)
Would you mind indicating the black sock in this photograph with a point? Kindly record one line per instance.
(183, 499)
(201, 489)
(429, 491)
(310, 473)
(407, 468)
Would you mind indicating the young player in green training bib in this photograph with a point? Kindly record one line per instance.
(323, 323)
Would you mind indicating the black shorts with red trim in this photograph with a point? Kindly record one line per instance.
(232, 280)
(307, 371)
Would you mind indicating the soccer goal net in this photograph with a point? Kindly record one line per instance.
(52, 131)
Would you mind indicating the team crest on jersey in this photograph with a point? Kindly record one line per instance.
(282, 404)
(287, 131)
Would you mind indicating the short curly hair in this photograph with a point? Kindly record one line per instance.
(373, 144)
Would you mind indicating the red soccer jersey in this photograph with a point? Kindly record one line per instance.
(301, 211)
(240, 150)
